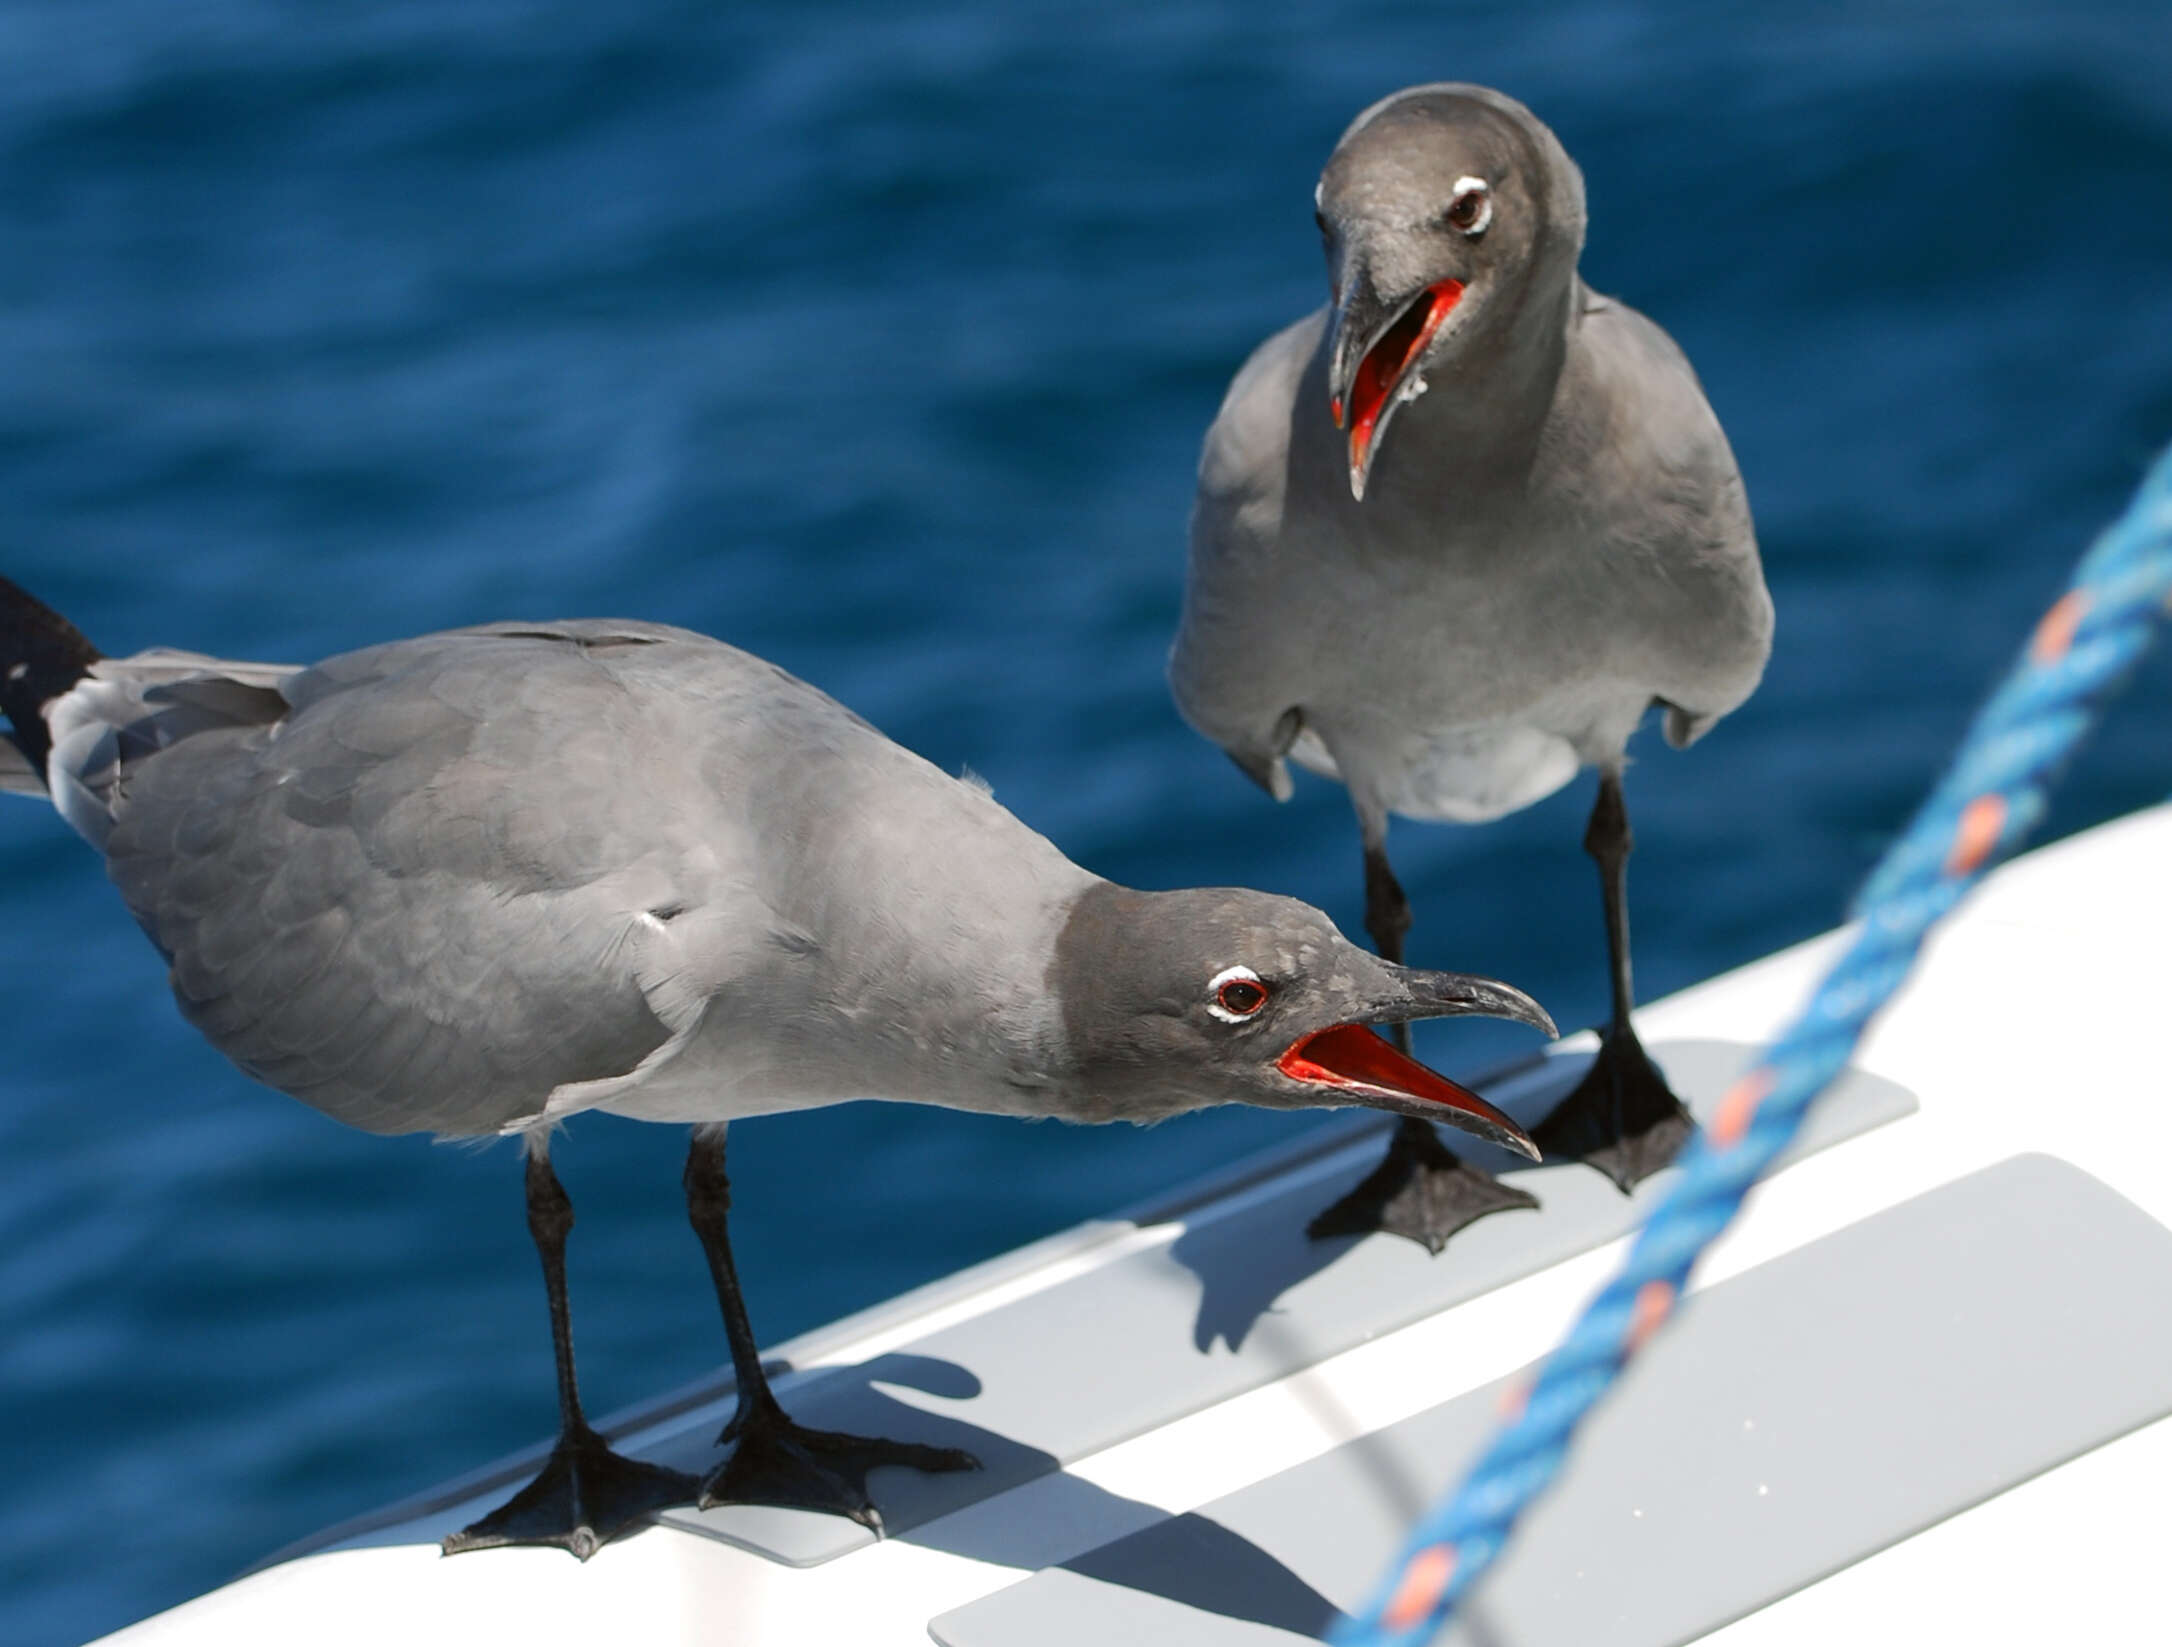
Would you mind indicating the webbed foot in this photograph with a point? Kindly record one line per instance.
(775, 1461)
(584, 1496)
(1421, 1190)
(1622, 1118)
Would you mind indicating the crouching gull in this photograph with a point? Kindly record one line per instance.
(1455, 620)
(480, 881)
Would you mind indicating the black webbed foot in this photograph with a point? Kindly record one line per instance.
(1421, 1190)
(775, 1461)
(1622, 1118)
(584, 1496)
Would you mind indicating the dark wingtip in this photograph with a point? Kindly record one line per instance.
(42, 654)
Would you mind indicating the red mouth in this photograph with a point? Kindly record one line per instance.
(1385, 365)
(1353, 1059)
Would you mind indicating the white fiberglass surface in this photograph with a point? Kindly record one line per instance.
(2025, 1029)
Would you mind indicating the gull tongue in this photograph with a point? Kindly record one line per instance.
(1352, 1058)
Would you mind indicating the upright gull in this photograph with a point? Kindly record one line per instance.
(480, 881)
(1455, 620)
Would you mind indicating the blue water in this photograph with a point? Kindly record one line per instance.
(880, 341)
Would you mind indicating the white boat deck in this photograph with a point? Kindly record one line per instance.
(2024, 1032)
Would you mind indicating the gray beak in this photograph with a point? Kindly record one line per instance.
(1458, 995)
(1372, 353)
(1360, 318)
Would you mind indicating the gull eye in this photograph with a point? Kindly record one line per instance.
(1241, 997)
(1238, 994)
(1470, 208)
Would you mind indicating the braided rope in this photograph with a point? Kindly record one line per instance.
(1990, 798)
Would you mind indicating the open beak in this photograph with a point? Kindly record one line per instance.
(1351, 1060)
(1376, 347)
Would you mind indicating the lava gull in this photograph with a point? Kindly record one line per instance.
(480, 881)
(1455, 534)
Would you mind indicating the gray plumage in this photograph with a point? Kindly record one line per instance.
(1552, 533)
(450, 884)
(1455, 535)
(487, 878)
(483, 880)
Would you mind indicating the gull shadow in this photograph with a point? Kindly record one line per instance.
(847, 1398)
(1249, 1258)
(853, 1400)
(830, 1398)
(1018, 1510)
(1244, 1265)
(1047, 1522)
(1197, 1562)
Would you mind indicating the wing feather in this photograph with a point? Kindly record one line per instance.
(416, 898)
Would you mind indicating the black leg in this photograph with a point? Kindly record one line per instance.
(1387, 918)
(585, 1495)
(1608, 839)
(1622, 1118)
(773, 1460)
(1421, 1190)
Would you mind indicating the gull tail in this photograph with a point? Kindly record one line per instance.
(42, 655)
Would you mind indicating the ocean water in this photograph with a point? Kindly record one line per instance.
(879, 339)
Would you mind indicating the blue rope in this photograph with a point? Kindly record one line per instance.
(1988, 801)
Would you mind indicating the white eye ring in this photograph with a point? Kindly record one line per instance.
(1484, 190)
(1232, 975)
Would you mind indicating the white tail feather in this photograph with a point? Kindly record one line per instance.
(126, 708)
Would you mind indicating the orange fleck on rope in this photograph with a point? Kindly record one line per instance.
(2055, 633)
(1655, 1301)
(1981, 821)
(1514, 1399)
(1736, 1110)
(1423, 1581)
